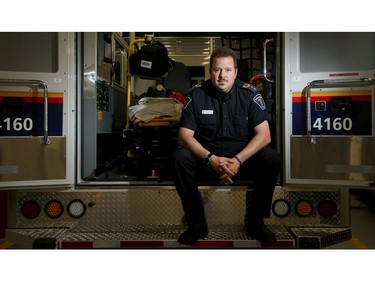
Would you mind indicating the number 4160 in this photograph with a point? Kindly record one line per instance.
(336, 124)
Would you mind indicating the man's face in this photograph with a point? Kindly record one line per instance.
(223, 73)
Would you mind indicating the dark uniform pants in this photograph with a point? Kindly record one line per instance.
(262, 168)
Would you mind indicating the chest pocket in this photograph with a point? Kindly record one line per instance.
(208, 125)
(241, 125)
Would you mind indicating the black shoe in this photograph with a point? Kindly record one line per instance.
(193, 233)
(262, 234)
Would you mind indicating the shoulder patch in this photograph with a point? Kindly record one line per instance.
(246, 85)
(187, 101)
(258, 99)
(198, 85)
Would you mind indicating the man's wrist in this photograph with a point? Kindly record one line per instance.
(207, 159)
(238, 159)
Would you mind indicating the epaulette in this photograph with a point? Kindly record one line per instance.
(249, 86)
(195, 86)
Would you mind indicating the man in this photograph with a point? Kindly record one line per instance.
(223, 136)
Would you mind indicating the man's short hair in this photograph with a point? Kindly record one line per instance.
(223, 52)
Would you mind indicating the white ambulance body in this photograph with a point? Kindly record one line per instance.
(76, 172)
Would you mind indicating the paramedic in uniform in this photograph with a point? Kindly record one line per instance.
(223, 136)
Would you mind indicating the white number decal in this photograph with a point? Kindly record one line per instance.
(347, 124)
(318, 124)
(18, 124)
(337, 124)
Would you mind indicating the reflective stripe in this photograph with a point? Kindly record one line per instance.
(217, 244)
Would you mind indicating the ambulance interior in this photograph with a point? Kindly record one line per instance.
(128, 149)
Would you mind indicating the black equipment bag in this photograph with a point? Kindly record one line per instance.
(151, 61)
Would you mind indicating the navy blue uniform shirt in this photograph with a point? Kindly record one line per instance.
(223, 123)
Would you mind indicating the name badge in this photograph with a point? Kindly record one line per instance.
(207, 111)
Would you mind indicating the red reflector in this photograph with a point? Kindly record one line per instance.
(54, 209)
(141, 244)
(327, 208)
(304, 208)
(30, 209)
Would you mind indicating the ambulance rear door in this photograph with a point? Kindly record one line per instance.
(37, 109)
(329, 108)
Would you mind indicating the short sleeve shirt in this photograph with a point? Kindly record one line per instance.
(223, 123)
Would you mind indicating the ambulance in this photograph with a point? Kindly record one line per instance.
(88, 123)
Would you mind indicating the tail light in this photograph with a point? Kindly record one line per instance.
(281, 208)
(304, 208)
(30, 209)
(327, 208)
(54, 209)
(76, 208)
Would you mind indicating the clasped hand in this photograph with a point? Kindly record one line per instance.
(226, 168)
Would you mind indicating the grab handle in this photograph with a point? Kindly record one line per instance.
(265, 60)
(34, 85)
(330, 83)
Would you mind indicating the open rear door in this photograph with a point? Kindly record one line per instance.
(37, 97)
(329, 108)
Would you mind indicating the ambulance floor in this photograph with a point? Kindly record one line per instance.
(362, 203)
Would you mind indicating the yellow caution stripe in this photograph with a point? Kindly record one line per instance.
(357, 243)
(6, 245)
